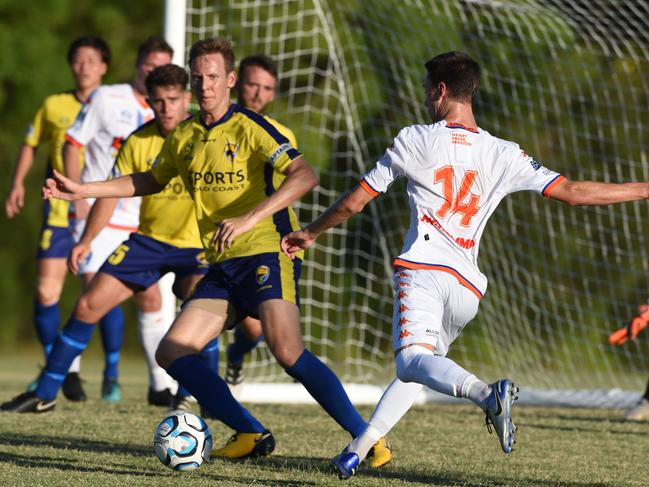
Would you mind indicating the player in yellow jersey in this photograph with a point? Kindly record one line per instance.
(167, 239)
(256, 89)
(88, 58)
(243, 175)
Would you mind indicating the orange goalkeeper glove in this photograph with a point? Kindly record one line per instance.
(639, 323)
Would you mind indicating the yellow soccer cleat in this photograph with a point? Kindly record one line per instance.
(379, 454)
(247, 445)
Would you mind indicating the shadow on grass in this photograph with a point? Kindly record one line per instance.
(321, 465)
(71, 443)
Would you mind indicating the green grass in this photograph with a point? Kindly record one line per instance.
(93, 444)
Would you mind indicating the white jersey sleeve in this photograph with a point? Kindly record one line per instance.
(526, 174)
(403, 151)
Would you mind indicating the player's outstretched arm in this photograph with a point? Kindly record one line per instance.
(136, 184)
(15, 199)
(300, 179)
(596, 193)
(347, 205)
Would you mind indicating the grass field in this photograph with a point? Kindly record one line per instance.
(94, 444)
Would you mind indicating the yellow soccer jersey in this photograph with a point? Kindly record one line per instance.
(52, 120)
(167, 216)
(230, 168)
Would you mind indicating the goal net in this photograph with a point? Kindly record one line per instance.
(566, 80)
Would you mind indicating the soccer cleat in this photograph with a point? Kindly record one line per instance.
(28, 402)
(72, 388)
(639, 412)
(234, 374)
(162, 398)
(345, 464)
(247, 445)
(499, 413)
(110, 391)
(379, 454)
(181, 403)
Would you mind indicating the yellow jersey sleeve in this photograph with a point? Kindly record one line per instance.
(37, 133)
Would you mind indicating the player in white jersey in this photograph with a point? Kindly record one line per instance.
(112, 113)
(457, 174)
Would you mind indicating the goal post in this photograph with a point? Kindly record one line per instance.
(567, 80)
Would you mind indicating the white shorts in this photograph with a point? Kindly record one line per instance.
(101, 247)
(430, 307)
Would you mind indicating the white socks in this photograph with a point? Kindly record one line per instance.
(394, 404)
(418, 364)
(152, 327)
(75, 366)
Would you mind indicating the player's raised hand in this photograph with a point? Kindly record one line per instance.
(77, 255)
(229, 228)
(62, 188)
(15, 201)
(296, 241)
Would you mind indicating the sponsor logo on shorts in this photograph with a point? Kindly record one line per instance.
(403, 308)
(262, 273)
(432, 333)
(403, 321)
(404, 334)
(402, 294)
(200, 258)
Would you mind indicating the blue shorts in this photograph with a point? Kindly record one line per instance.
(54, 243)
(141, 261)
(248, 281)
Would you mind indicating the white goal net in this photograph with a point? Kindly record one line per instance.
(566, 79)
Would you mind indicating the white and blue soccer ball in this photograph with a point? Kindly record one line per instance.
(182, 441)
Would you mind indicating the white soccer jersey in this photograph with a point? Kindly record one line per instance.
(456, 178)
(111, 114)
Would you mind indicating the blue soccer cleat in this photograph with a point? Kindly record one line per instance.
(499, 413)
(110, 391)
(346, 463)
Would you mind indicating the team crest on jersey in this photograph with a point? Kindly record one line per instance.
(188, 151)
(230, 151)
(262, 273)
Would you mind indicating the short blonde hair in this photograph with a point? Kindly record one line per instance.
(213, 45)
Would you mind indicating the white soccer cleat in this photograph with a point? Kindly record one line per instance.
(498, 412)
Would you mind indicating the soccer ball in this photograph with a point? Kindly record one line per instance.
(182, 441)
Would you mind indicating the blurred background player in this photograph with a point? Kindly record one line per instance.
(639, 412)
(88, 58)
(256, 89)
(167, 239)
(112, 113)
(457, 175)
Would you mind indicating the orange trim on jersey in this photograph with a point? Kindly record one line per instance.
(122, 227)
(432, 267)
(369, 189)
(552, 185)
(73, 141)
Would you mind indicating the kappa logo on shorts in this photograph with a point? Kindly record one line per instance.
(403, 321)
(403, 308)
(403, 294)
(200, 258)
(403, 284)
(404, 334)
(262, 273)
